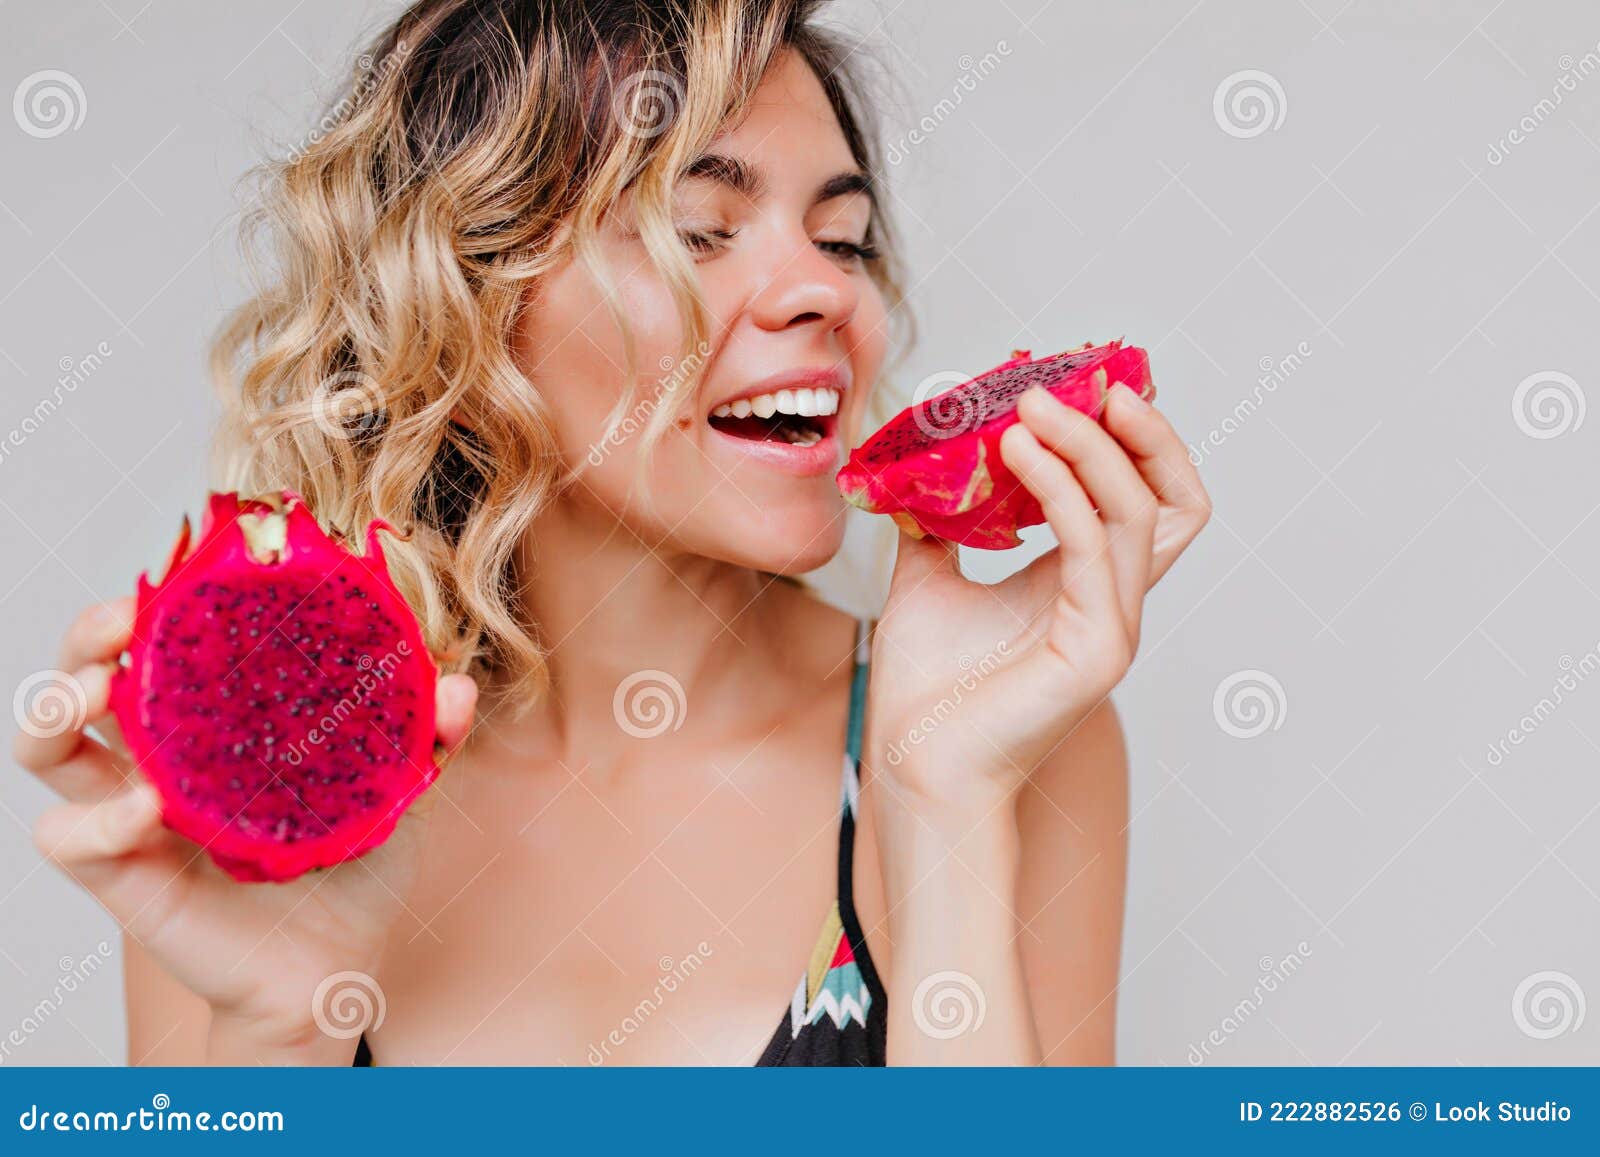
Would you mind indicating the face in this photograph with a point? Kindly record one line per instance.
(776, 221)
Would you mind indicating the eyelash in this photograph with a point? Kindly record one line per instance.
(708, 241)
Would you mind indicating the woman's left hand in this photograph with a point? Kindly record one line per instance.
(972, 685)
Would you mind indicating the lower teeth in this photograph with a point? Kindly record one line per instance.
(799, 437)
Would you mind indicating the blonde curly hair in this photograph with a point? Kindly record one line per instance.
(478, 144)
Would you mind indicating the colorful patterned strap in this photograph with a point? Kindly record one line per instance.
(833, 984)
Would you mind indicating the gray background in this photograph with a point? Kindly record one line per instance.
(1393, 544)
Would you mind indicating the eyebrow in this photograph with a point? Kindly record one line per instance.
(747, 182)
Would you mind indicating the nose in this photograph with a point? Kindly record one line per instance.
(808, 288)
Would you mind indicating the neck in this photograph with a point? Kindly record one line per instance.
(613, 609)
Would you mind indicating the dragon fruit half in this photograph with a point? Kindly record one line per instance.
(279, 694)
(936, 468)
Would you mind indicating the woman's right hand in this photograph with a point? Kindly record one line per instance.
(255, 953)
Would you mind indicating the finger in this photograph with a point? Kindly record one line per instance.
(918, 556)
(1100, 463)
(1087, 576)
(89, 775)
(456, 699)
(99, 634)
(77, 835)
(1155, 449)
(1160, 455)
(1126, 503)
(53, 708)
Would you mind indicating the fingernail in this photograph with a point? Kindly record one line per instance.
(1137, 398)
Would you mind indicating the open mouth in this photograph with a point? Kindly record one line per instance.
(800, 417)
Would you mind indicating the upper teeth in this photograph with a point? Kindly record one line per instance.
(806, 403)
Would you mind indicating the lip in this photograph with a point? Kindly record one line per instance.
(822, 456)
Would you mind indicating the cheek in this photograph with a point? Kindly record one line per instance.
(572, 351)
(867, 340)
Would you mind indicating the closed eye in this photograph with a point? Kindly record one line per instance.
(850, 250)
(706, 241)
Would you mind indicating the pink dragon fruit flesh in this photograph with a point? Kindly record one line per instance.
(936, 468)
(278, 691)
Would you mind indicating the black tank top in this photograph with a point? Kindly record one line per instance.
(838, 1014)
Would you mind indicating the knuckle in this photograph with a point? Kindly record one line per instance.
(85, 626)
(45, 840)
(1112, 655)
(25, 752)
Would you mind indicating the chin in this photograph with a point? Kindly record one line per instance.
(790, 540)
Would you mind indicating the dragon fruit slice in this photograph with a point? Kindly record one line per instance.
(936, 468)
(279, 693)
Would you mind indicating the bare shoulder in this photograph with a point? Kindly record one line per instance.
(1073, 819)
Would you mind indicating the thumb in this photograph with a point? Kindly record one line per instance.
(920, 556)
(456, 702)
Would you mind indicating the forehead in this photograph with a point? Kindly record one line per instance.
(788, 117)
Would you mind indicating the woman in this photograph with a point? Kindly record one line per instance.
(552, 289)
